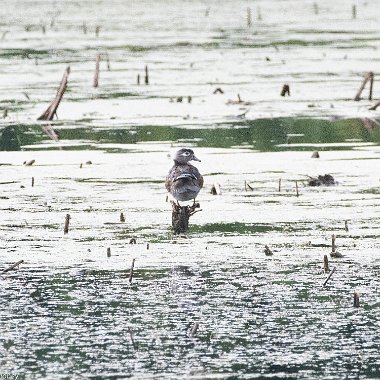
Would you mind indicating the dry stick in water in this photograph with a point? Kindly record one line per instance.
(346, 225)
(328, 278)
(96, 75)
(368, 77)
(279, 185)
(333, 246)
(32, 181)
(97, 30)
(108, 252)
(108, 62)
(146, 75)
(13, 266)
(354, 12)
(138, 79)
(122, 218)
(67, 222)
(326, 264)
(297, 193)
(356, 299)
(131, 272)
(52, 109)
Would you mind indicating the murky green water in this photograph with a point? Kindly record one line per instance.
(69, 311)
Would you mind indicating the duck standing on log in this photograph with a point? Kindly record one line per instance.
(184, 181)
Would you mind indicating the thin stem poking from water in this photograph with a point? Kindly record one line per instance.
(297, 193)
(96, 74)
(279, 185)
(326, 264)
(108, 252)
(346, 225)
(369, 77)
(356, 299)
(13, 266)
(146, 75)
(249, 17)
(138, 79)
(97, 30)
(67, 222)
(52, 109)
(131, 271)
(32, 181)
(132, 339)
(122, 218)
(328, 278)
(354, 12)
(333, 245)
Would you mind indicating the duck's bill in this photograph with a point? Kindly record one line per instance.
(196, 159)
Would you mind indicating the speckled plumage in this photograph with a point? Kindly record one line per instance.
(184, 181)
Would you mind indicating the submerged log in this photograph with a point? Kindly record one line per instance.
(181, 216)
(52, 109)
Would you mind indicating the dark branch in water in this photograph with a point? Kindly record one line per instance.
(13, 266)
(52, 109)
(369, 77)
(328, 278)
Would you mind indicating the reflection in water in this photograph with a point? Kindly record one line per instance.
(262, 134)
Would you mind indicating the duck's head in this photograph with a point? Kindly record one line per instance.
(185, 155)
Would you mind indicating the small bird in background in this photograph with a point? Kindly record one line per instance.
(184, 181)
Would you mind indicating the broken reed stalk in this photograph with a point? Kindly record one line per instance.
(373, 108)
(122, 218)
(328, 278)
(346, 225)
(326, 264)
(96, 74)
(333, 246)
(138, 79)
(52, 109)
(249, 17)
(356, 299)
(108, 62)
(181, 216)
(369, 77)
(297, 193)
(32, 181)
(131, 272)
(13, 266)
(108, 252)
(215, 189)
(67, 222)
(285, 90)
(194, 329)
(354, 12)
(146, 75)
(279, 185)
(132, 339)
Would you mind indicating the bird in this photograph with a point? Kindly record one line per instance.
(184, 181)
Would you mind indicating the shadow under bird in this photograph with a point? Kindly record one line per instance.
(184, 181)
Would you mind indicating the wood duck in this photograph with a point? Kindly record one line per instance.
(184, 181)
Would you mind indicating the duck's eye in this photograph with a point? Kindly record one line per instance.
(186, 153)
